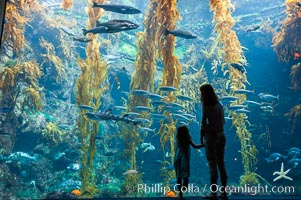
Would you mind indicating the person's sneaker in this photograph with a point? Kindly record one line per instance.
(211, 196)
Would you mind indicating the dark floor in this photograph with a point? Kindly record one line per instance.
(233, 197)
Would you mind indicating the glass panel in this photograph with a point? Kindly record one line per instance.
(96, 97)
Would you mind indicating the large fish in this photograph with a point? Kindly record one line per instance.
(117, 8)
(107, 115)
(112, 26)
(181, 33)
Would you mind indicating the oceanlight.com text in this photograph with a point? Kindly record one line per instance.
(247, 189)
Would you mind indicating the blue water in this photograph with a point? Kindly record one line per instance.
(42, 168)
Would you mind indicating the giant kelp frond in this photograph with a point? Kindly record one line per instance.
(227, 37)
(28, 72)
(287, 41)
(167, 16)
(32, 99)
(50, 57)
(52, 133)
(32, 72)
(14, 30)
(143, 77)
(67, 4)
(89, 88)
(232, 53)
(296, 77)
(7, 79)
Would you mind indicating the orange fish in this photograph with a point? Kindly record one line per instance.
(76, 192)
(170, 194)
(297, 56)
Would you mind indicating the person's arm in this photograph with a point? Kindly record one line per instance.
(196, 146)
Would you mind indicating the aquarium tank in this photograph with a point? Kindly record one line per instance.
(92, 93)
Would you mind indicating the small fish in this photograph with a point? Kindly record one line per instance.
(176, 106)
(158, 103)
(140, 92)
(167, 88)
(228, 98)
(295, 149)
(154, 96)
(143, 108)
(82, 39)
(179, 116)
(5, 110)
(145, 145)
(120, 108)
(145, 129)
(228, 118)
(130, 171)
(117, 8)
(74, 166)
(86, 107)
(158, 162)
(112, 57)
(67, 30)
(181, 33)
(267, 108)
(243, 91)
(252, 103)
(59, 155)
(184, 98)
(268, 97)
(143, 120)
(292, 154)
(242, 110)
(253, 28)
(110, 153)
(189, 116)
(239, 67)
(149, 148)
(158, 116)
(237, 107)
(273, 157)
(294, 162)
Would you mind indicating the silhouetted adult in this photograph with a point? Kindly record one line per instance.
(212, 135)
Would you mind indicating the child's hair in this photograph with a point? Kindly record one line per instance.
(183, 138)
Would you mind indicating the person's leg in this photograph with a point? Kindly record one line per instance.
(179, 184)
(210, 148)
(221, 162)
(185, 184)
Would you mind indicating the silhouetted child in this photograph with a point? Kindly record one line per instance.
(182, 158)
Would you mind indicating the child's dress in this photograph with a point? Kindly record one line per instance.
(182, 162)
